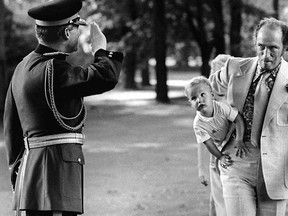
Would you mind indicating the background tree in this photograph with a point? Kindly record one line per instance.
(219, 31)
(235, 29)
(276, 8)
(159, 30)
(252, 14)
(2, 56)
(200, 17)
(128, 27)
(198, 29)
(130, 60)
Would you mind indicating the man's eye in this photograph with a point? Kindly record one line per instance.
(261, 47)
(273, 49)
(203, 94)
(193, 98)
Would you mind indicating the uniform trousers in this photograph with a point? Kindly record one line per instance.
(244, 189)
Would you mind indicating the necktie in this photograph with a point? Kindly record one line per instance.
(248, 108)
(256, 103)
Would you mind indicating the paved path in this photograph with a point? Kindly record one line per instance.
(140, 157)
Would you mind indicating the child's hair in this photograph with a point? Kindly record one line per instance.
(195, 81)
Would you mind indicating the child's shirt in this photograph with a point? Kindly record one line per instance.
(217, 126)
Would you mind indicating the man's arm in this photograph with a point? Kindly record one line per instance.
(216, 64)
(13, 135)
(220, 79)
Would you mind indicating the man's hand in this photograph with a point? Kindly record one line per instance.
(98, 39)
(242, 149)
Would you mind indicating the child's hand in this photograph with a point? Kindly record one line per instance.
(203, 180)
(225, 161)
(242, 149)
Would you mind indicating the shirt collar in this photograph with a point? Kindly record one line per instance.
(48, 51)
(260, 71)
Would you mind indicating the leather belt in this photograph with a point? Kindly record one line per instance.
(55, 139)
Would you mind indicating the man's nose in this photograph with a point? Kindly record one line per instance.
(266, 52)
(199, 99)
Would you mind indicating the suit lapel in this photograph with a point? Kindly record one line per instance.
(279, 93)
(242, 82)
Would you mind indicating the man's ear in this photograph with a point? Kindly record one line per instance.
(66, 34)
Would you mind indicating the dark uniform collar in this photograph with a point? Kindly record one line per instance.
(47, 51)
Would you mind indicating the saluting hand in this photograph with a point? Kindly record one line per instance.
(98, 39)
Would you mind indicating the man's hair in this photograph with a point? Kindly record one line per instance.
(196, 81)
(273, 23)
(51, 34)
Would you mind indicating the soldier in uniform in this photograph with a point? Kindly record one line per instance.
(44, 112)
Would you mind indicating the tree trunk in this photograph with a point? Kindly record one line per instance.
(129, 68)
(219, 33)
(235, 30)
(205, 55)
(3, 84)
(145, 75)
(130, 60)
(160, 50)
(276, 8)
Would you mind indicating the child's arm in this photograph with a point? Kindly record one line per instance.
(203, 164)
(240, 127)
(224, 159)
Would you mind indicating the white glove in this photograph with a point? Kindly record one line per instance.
(98, 39)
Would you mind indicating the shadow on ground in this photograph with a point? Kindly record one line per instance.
(140, 158)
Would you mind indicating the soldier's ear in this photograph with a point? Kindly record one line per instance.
(66, 34)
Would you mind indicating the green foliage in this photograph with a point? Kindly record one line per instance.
(19, 35)
(127, 24)
(251, 15)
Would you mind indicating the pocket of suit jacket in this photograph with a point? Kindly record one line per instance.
(282, 115)
(73, 161)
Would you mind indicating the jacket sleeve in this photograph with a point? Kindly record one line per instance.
(13, 135)
(101, 76)
(220, 79)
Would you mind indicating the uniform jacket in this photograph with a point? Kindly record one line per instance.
(234, 81)
(53, 177)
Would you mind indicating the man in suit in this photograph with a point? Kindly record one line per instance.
(44, 111)
(258, 183)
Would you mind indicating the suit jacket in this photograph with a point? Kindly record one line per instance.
(52, 179)
(234, 80)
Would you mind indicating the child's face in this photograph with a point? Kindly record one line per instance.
(202, 99)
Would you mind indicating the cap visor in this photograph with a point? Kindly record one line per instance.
(81, 22)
